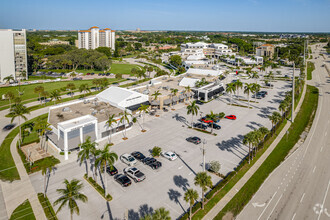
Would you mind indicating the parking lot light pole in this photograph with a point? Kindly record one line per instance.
(203, 150)
(292, 114)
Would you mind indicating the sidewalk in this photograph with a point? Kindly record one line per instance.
(223, 202)
(18, 191)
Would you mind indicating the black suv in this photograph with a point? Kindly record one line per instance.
(215, 126)
(200, 125)
(152, 162)
(112, 170)
(195, 140)
(138, 155)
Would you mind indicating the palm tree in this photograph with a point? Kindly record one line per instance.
(213, 117)
(19, 111)
(106, 158)
(282, 107)
(111, 120)
(45, 94)
(187, 90)
(39, 90)
(275, 118)
(55, 96)
(204, 181)
(231, 89)
(174, 92)
(161, 214)
(248, 140)
(247, 89)
(255, 75)
(46, 169)
(10, 96)
(156, 94)
(257, 137)
(9, 78)
(43, 127)
(84, 88)
(150, 69)
(143, 109)
(193, 110)
(70, 195)
(71, 87)
(264, 131)
(86, 148)
(124, 118)
(238, 84)
(190, 196)
(255, 88)
(140, 74)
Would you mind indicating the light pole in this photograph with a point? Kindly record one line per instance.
(203, 150)
(292, 114)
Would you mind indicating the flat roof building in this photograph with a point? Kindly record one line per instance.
(13, 56)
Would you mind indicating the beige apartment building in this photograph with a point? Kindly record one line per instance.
(265, 50)
(13, 56)
(95, 37)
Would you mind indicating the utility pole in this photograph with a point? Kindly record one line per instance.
(293, 79)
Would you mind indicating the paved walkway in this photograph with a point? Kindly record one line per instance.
(17, 192)
(223, 202)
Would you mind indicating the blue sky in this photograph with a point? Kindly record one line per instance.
(212, 15)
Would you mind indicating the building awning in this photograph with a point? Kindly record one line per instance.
(155, 102)
(135, 107)
(167, 101)
(181, 97)
(175, 99)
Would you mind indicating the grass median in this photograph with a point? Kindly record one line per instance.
(23, 212)
(310, 69)
(47, 207)
(303, 120)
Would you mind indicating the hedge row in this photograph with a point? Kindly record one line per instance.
(96, 186)
(47, 206)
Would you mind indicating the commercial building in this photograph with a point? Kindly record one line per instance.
(265, 50)
(13, 56)
(201, 49)
(95, 37)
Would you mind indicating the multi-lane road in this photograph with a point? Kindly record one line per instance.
(299, 187)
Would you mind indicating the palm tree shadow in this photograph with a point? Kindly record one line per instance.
(181, 182)
(174, 196)
(179, 118)
(144, 210)
(48, 177)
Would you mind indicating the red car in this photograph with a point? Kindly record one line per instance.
(205, 120)
(231, 117)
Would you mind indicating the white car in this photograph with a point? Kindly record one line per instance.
(135, 174)
(128, 159)
(169, 155)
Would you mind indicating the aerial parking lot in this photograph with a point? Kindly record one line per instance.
(165, 186)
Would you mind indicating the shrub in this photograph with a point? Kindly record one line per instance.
(47, 206)
(214, 166)
(98, 188)
(156, 151)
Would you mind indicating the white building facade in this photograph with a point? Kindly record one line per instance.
(201, 49)
(13, 56)
(95, 37)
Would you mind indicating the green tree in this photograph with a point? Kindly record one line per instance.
(19, 111)
(190, 196)
(248, 140)
(175, 60)
(46, 169)
(106, 158)
(10, 96)
(156, 94)
(264, 131)
(230, 88)
(111, 120)
(187, 90)
(283, 106)
(192, 109)
(39, 90)
(156, 151)
(204, 181)
(143, 109)
(161, 214)
(213, 117)
(247, 89)
(70, 195)
(125, 119)
(274, 118)
(238, 85)
(104, 50)
(71, 87)
(55, 96)
(255, 88)
(86, 148)
(42, 126)
(150, 69)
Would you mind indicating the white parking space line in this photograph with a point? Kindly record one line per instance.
(314, 169)
(180, 167)
(302, 197)
(294, 215)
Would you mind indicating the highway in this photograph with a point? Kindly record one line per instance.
(299, 187)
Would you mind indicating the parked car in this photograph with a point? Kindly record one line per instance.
(231, 117)
(258, 96)
(195, 140)
(269, 84)
(77, 78)
(263, 92)
(149, 160)
(128, 159)
(200, 125)
(108, 74)
(169, 155)
(138, 155)
(88, 74)
(199, 102)
(203, 119)
(215, 126)
(135, 174)
(8, 127)
(92, 74)
(155, 165)
(99, 74)
(123, 180)
(112, 170)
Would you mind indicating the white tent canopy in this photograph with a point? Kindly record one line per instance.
(204, 72)
(121, 97)
(188, 82)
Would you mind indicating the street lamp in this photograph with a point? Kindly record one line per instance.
(203, 151)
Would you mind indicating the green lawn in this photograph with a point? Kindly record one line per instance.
(310, 69)
(50, 86)
(116, 68)
(7, 164)
(47, 206)
(306, 116)
(23, 212)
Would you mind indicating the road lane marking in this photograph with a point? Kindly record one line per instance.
(326, 133)
(267, 205)
(190, 173)
(302, 198)
(321, 149)
(314, 169)
(294, 215)
(274, 206)
(325, 196)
